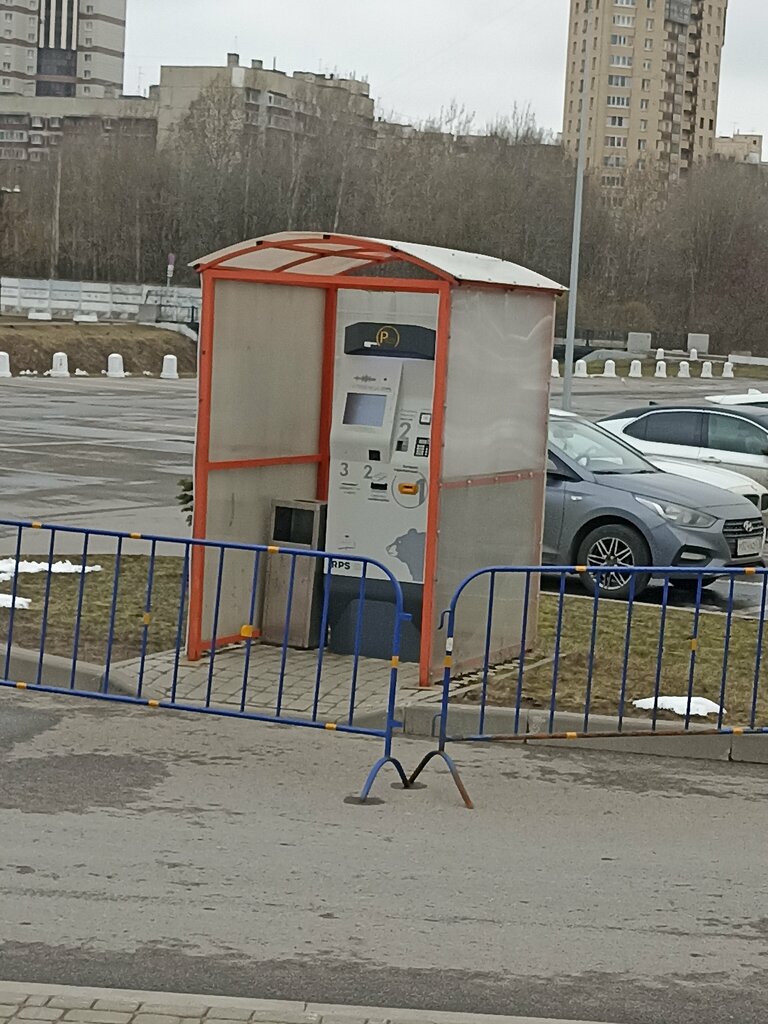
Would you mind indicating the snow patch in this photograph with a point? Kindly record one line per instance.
(700, 706)
(10, 568)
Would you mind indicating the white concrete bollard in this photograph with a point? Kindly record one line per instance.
(661, 369)
(728, 371)
(693, 355)
(636, 369)
(115, 366)
(659, 354)
(684, 370)
(5, 365)
(609, 370)
(60, 365)
(706, 370)
(554, 374)
(580, 369)
(171, 368)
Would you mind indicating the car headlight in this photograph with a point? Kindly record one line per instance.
(678, 514)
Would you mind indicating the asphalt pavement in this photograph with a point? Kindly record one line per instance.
(150, 849)
(96, 453)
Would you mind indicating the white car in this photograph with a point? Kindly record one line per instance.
(737, 483)
(753, 399)
(733, 437)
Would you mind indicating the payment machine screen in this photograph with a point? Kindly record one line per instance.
(365, 410)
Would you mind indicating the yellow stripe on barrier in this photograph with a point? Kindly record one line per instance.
(750, 570)
(737, 732)
(330, 726)
(153, 703)
(37, 526)
(146, 618)
(246, 632)
(581, 568)
(448, 663)
(21, 686)
(273, 550)
(396, 662)
(571, 735)
(694, 644)
(135, 536)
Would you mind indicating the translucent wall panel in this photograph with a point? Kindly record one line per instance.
(481, 526)
(239, 509)
(267, 371)
(498, 382)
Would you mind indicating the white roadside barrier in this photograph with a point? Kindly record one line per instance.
(554, 373)
(115, 367)
(684, 371)
(171, 368)
(609, 370)
(706, 370)
(661, 369)
(5, 365)
(636, 369)
(728, 371)
(60, 365)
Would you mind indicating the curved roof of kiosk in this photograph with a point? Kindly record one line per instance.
(316, 254)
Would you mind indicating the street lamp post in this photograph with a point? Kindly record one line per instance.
(578, 209)
(5, 191)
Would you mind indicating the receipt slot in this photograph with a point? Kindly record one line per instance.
(407, 386)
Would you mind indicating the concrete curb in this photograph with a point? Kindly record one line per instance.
(57, 672)
(261, 1009)
(420, 720)
(419, 716)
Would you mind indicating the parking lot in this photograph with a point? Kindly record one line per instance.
(96, 453)
(109, 454)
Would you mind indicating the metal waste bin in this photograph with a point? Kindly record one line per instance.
(295, 524)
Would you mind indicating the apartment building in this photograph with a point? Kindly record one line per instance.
(33, 129)
(649, 72)
(270, 101)
(739, 148)
(62, 48)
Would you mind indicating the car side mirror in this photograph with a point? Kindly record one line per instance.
(560, 474)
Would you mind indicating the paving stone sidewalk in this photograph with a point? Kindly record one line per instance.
(43, 1004)
(370, 679)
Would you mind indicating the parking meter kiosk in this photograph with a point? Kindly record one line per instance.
(414, 404)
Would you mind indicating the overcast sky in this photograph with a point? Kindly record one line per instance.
(419, 55)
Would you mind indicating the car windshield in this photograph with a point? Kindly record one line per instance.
(594, 448)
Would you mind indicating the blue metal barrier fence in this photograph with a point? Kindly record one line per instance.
(585, 667)
(119, 602)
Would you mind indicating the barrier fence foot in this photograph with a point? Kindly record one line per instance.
(375, 771)
(451, 768)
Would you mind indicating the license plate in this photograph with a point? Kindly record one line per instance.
(749, 546)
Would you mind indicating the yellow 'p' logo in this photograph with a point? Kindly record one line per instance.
(388, 337)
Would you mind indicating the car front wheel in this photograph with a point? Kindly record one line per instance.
(618, 549)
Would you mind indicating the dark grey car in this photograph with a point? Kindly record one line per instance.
(606, 505)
